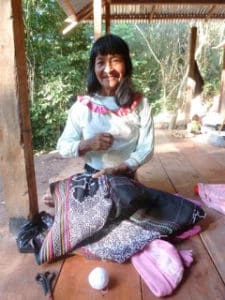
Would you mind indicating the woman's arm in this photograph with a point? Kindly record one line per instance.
(145, 145)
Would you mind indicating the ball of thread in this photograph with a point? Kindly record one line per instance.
(98, 278)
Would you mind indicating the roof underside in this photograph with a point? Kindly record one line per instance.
(148, 10)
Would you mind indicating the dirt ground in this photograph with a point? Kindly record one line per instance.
(49, 167)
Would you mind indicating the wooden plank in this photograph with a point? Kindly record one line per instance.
(153, 175)
(107, 16)
(214, 241)
(73, 281)
(168, 2)
(202, 157)
(181, 167)
(191, 81)
(15, 147)
(97, 18)
(222, 90)
(182, 175)
(18, 271)
(23, 99)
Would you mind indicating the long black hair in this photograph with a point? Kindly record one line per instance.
(112, 44)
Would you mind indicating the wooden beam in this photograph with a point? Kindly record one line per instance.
(190, 81)
(167, 2)
(67, 7)
(193, 39)
(85, 12)
(107, 16)
(19, 185)
(210, 12)
(222, 91)
(152, 12)
(97, 18)
(160, 16)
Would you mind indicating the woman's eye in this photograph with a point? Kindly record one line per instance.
(117, 60)
(99, 63)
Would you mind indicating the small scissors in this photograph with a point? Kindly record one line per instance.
(45, 280)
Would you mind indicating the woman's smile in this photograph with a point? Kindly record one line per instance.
(109, 70)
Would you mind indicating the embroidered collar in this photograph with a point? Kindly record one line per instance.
(101, 109)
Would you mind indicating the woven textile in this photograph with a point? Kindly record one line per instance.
(112, 217)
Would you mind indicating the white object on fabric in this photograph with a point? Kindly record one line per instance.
(98, 278)
(133, 133)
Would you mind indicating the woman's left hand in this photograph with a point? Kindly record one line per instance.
(122, 169)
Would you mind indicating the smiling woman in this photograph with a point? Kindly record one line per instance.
(112, 126)
(109, 70)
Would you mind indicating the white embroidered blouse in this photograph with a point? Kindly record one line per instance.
(132, 129)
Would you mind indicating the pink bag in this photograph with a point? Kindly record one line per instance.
(213, 195)
(161, 266)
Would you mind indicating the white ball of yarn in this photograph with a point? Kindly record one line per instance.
(98, 278)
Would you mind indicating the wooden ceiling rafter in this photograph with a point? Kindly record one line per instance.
(145, 11)
(171, 2)
(68, 7)
(159, 17)
(85, 12)
(209, 14)
(152, 12)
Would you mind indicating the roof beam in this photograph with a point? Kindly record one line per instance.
(161, 17)
(107, 16)
(85, 12)
(210, 12)
(167, 2)
(151, 16)
(97, 18)
(67, 7)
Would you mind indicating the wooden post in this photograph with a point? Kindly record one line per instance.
(97, 18)
(190, 81)
(107, 16)
(222, 92)
(16, 156)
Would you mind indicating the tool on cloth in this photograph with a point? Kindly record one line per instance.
(45, 280)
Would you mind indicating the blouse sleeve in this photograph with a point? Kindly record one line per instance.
(145, 145)
(69, 140)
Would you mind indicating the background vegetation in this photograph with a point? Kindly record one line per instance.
(57, 64)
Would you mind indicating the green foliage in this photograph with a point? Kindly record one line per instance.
(57, 64)
(57, 68)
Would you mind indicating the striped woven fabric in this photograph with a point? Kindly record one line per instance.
(112, 217)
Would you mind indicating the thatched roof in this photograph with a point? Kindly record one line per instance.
(146, 11)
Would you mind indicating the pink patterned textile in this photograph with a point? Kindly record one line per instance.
(101, 109)
(213, 195)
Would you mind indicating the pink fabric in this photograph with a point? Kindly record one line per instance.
(187, 257)
(161, 266)
(122, 111)
(189, 233)
(213, 195)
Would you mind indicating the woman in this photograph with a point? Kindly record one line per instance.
(112, 126)
(102, 212)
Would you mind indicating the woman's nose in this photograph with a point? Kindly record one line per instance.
(108, 67)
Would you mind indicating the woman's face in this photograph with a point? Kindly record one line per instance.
(109, 70)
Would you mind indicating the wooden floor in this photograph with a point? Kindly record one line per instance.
(178, 164)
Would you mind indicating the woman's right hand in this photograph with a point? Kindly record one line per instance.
(102, 141)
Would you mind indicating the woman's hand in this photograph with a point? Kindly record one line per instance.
(102, 141)
(122, 169)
